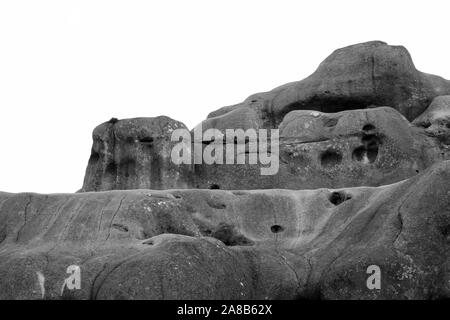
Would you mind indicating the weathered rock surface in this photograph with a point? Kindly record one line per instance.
(133, 154)
(376, 191)
(360, 76)
(436, 120)
(367, 147)
(338, 128)
(206, 244)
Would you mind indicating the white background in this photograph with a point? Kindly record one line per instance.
(67, 66)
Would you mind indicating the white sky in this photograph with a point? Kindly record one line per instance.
(67, 66)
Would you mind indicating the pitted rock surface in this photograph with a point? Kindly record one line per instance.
(360, 76)
(366, 147)
(174, 244)
(436, 120)
(358, 185)
(133, 154)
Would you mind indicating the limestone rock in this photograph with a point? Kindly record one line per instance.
(148, 244)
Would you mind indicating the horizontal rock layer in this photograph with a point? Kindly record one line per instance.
(345, 125)
(366, 147)
(207, 244)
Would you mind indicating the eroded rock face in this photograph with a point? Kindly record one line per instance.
(436, 120)
(203, 244)
(368, 147)
(281, 243)
(355, 77)
(345, 125)
(133, 154)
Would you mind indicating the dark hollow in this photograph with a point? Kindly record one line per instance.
(369, 149)
(330, 158)
(276, 228)
(368, 127)
(230, 236)
(146, 140)
(337, 198)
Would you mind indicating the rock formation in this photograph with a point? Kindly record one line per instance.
(133, 154)
(367, 147)
(436, 120)
(358, 186)
(218, 244)
(355, 77)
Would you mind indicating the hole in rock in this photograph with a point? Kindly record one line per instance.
(148, 242)
(276, 228)
(337, 198)
(426, 125)
(146, 140)
(95, 156)
(230, 236)
(111, 168)
(368, 127)
(216, 204)
(330, 158)
(330, 122)
(447, 125)
(368, 152)
(359, 154)
(120, 227)
(370, 140)
(214, 186)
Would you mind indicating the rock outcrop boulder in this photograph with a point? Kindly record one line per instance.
(368, 147)
(133, 154)
(345, 125)
(360, 76)
(206, 244)
(436, 120)
(357, 188)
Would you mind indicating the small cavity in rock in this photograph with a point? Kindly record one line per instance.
(276, 228)
(337, 198)
(230, 236)
(330, 158)
(120, 227)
